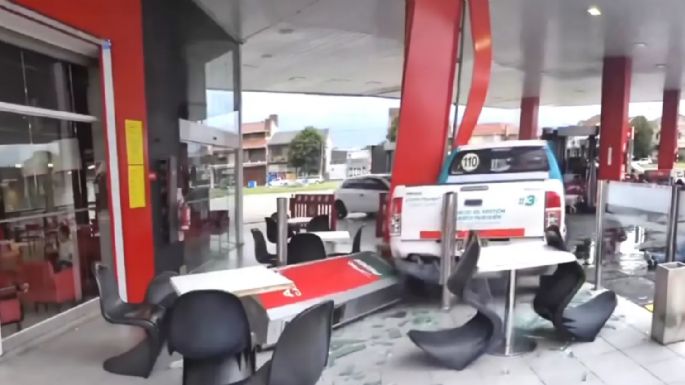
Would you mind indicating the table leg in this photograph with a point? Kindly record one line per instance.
(512, 345)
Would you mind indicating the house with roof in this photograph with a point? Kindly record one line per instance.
(494, 132)
(255, 147)
(277, 158)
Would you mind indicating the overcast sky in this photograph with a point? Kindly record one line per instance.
(356, 122)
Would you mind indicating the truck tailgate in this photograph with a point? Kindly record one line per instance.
(495, 210)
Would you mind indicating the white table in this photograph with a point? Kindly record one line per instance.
(242, 282)
(299, 220)
(511, 258)
(333, 236)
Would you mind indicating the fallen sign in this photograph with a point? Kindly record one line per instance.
(358, 284)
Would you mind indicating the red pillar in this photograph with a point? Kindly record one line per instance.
(616, 77)
(668, 143)
(528, 124)
(430, 56)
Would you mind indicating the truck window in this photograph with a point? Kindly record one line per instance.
(500, 161)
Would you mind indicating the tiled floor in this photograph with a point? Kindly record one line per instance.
(376, 351)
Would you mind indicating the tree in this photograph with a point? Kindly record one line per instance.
(392, 130)
(305, 151)
(642, 137)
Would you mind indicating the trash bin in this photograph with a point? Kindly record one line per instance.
(668, 319)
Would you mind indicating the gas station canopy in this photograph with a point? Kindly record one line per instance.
(547, 48)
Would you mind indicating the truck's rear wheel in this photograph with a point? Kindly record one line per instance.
(341, 209)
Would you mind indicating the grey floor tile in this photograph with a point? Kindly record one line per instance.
(588, 350)
(634, 375)
(649, 352)
(496, 366)
(568, 374)
(669, 370)
(447, 376)
(518, 379)
(617, 368)
(398, 376)
(623, 336)
(678, 348)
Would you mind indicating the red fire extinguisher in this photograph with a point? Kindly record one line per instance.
(183, 216)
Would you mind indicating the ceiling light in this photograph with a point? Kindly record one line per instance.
(639, 44)
(594, 11)
(18, 165)
(91, 167)
(50, 165)
(661, 66)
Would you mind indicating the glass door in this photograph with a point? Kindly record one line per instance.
(208, 197)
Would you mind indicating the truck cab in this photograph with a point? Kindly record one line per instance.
(506, 191)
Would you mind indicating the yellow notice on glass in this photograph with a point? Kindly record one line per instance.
(134, 141)
(136, 186)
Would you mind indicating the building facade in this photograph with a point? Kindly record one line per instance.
(255, 148)
(358, 162)
(338, 168)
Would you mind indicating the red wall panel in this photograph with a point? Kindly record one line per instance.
(119, 21)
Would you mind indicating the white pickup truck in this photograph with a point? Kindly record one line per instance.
(507, 191)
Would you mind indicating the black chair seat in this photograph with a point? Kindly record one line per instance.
(305, 247)
(140, 359)
(210, 330)
(142, 315)
(260, 377)
(319, 223)
(301, 353)
(582, 322)
(456, 348)
(160, 291)
(262, 254)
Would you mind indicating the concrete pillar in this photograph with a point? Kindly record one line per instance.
(528, 124)
(616, 79)
(668, 141)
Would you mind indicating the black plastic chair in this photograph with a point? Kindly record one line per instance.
(582, 322)
(211, 331)
(305, 248)
(458, 347)
(319, 223)
(139, 360)
(260, 250)
(301, 353)
(271, 229)
(160, 292)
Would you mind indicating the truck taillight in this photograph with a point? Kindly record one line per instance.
(553, 209)
(396, 217)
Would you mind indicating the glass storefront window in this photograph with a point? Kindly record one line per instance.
(49, 200)
(11, 76)
(33, 79)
